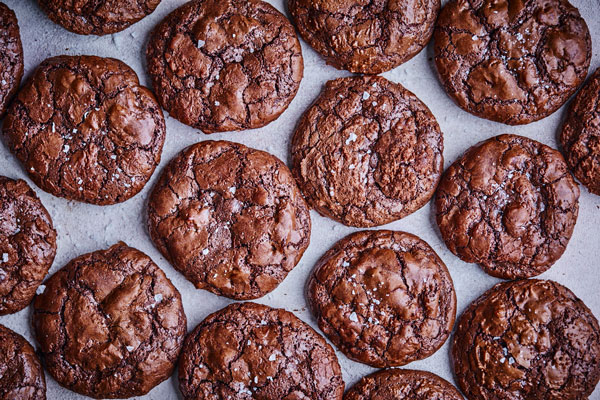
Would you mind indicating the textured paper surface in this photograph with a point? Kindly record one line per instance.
(83, 228)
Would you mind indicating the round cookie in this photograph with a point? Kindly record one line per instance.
(85, 129)
(530, 340)
(109, 324)
(225, 65)
(384, 298)
(367, 152)
(511, 62)
(11, 56)
(230, 218)
(21, 373)
(402, 384)
(27, 245)
(580, 135)
(510, 205)
(364, 36)
(97, 17)
(252, 351)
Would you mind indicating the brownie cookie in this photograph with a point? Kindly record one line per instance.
(11, 56)
(511, 62)
(230, 218)
(367, 152)
(225, 65)
(110, 324)
(384, 298)
(97, 17)
(85, 129)
(528, 340)
(21, 373)
(252, 351)
(402, 384)
(510, 204)
(363, 36)
(27, 245)
(580, 135)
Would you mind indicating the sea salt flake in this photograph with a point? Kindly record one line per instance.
(158, 297)
(129, 348)
(232, 189)
(366, 95)
(474, 37)
(201, 43)
(353, 317)
(205, 251)
(345, 264)
(66, 148)
(4, 257)
(217, 103)
(273, 357)
(3, 81)
(351, 138)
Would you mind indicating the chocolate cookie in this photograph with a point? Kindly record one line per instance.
(27, 245)
(252, 351)
(21, 373)
(110, 324)
(384, 298)
(367, 152)
(230, 218)
(529, 340)
(510, 204)
(11, 56)
(97, 17)
(511, 62)
(362, 36)
(225, 65)
(580, 135)
(402, 384)
(85, 129)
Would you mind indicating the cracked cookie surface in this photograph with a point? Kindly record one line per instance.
(384, 298)
(580, 135)
(367, 152)
(230, 218)
(109, 324)
(97, 17)
(27, 244)
(84, 129)
(511, 62)
(527, 340)
(224, 65)
(11, 56)
(21, 373)
(252, 351)
(509, 204)
(365, 36)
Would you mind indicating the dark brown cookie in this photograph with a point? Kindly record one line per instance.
(363, 36)
(527, 340)
(110, 324)
(402, 384)
(252, 351)
(511, 62)
(27, 245)
(21, 373)
(85, 129)
(384, 298)
(11, 56)
(230, 218)
(97, 17)
(580, 135)
(510, 204)
(225, 65)
(367, 152)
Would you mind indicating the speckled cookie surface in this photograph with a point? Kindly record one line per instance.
(21, 373)
(509, 204)
(402, 384)
(84, 129)
(384, 298)
(511, 62)
(367, 152)
(363, 36)
(109, 324)
(527, 340)
(251, 351)
(580, 135)
(97, 17)
(11, 56)
(224, 65)
(230, 218)
(27, 244)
